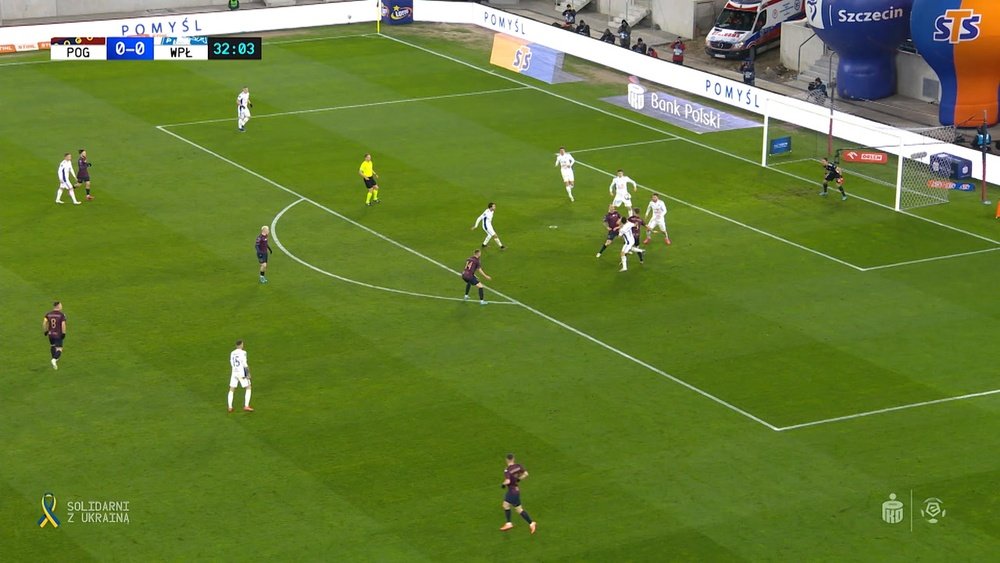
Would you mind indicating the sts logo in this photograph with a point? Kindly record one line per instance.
(522, 59)
(957, 26)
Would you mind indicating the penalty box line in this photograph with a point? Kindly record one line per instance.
(351, 106)
(885, 410)
(662, 132)
(713, 149)
(735, 222)
(529, 308)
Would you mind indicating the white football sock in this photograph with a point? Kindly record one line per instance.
(498, 242)
(230, 398)
(486, 240)
(246, 401)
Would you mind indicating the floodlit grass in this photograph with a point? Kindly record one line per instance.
(658, 410)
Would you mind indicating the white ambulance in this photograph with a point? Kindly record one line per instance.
(747, 27)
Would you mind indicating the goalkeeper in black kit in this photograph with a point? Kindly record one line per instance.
(833, 174)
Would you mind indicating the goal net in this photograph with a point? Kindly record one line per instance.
(891, 167)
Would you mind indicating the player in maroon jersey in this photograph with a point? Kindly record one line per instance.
(54, 325)
(636, 221)
(83, 173)
(513, 474)
(613, 221)
(263, 249)
(473, 267)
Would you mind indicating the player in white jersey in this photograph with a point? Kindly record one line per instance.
(656, 214)
(64, 172)
(619, 189)
(240, 375)
(486, 218)
(243, 105)
(565, 162)
(628, 243)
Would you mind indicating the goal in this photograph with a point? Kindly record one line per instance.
(892, 167)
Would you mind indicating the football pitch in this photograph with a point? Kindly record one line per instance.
(754, 391)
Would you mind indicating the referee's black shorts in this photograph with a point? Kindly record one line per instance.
(370, 182)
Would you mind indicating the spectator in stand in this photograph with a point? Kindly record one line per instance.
(817, 91)
(607, 36)
(625, 34)
(583, 29)
(640, 47)
(569, 17)
(677, 49)
(652, 53)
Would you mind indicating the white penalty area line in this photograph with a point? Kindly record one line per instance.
(707, 147)
(277, 241)
(623, 145)
(735, 222)
(932, 259)
(351, 106)
(719, 151)
(890, 409)
(529, 308)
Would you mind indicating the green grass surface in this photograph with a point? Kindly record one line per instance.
(382, 418)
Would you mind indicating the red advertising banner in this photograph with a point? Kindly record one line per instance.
(867, 157)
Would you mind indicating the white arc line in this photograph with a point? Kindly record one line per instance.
(277, 241)
(352, 106)
(553, 320)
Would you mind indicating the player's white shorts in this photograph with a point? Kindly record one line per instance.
(567, 174)
(65, 186)
(621, 198)
(239, 378)
(488, 229)
(628, 241)
(654, 223)
(243, 113)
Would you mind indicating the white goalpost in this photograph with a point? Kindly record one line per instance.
(909, 164)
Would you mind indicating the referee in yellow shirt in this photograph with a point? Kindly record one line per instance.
(368, 174)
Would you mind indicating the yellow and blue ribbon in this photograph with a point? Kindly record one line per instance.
(48, 510)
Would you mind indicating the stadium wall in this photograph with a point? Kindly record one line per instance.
(720, 90)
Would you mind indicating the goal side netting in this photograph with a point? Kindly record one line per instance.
(897, 168)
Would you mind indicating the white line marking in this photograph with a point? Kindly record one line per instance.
(756, 163)
(784, 162)
(300, 196)
(352, 106)
(735, 222)
(626, 145)
(932, 259)
(277, 241)
(707, 147)
(553, 320)
(890, 409)
(19, 63)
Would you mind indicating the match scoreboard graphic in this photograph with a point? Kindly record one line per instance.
(142, 48)
(529, 59)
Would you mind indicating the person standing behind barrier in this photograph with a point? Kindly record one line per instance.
(677, 49)
(625, 35)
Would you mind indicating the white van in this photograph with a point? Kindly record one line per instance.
(748, 27)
